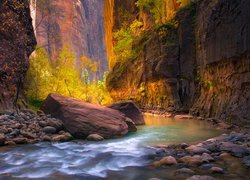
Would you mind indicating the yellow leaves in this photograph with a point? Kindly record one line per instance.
(66, 78)
(162, 10)
(136, 27)
(85, 62)
(66, 57)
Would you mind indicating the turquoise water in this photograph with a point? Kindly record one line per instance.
(123, 158)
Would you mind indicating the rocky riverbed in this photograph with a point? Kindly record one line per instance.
(29, 126)
(214, 158)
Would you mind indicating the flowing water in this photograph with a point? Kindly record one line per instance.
(124, 158)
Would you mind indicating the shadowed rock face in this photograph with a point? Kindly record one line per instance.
(131, 110)
(162, 74)
(17, 41)
(82, 119)
(79, 24)
(116, 12)
(203, 68)
(223, 49)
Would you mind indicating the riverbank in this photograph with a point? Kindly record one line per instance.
(148, 150)
(222, 157)
(214, 122)
(29, 127)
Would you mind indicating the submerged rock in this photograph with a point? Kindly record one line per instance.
(225, 156)
(234, 149)
(169, 160)
(81, 118)
(193, 149)
(185, 116)
(131, 110)
(191, 160)
(206, 158)
(246, 161)
(198, 177)
(207, 166)
(184, 171)
(217, 170)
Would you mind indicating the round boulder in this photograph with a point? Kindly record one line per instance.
(168, 161)
(62, 137)
(193, 149)
(49, 130)
(184, 171)
(217, 170)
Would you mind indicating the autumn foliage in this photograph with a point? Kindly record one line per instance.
(68, 77)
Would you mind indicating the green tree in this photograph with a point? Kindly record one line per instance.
(103, 96)
(38, 80)
(66, 77)
(155, 7)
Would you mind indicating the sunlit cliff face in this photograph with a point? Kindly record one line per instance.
(77, 24)
(87, 26)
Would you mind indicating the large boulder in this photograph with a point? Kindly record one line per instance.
(131, 110)
(82, 119)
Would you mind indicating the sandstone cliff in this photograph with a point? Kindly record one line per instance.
(116, 12)
(201, 65)
(77, 24)
(162, 74)
(223, 49)
(17, 41)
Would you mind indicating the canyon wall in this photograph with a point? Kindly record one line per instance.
(161, 76)
(223, 49)
(200, 65)
(17, 41)
(109, 23)
(77, 24)
(116, 12)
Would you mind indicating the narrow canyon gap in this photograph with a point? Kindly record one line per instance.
(76, 24)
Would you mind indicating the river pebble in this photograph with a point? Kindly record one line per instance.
(28, 126)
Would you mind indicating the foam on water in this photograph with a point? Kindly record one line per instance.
(94, 159)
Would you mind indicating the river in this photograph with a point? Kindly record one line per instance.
(123, 158)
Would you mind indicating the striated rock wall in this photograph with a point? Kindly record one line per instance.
(203, 68)
(116, 12)
(223, 49)
(162, 74)
(17, 41)
(78, 24)
(109, 23)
